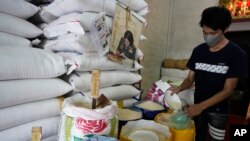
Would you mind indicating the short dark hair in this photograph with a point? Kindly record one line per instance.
(129, 35)
(216, 17)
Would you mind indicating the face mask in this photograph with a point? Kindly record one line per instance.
(211, 40)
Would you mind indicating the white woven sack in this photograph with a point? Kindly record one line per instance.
(174, 72)
(51, 138)
(13, 40)
(118, 92)
(172, 80)
(143, 12)
(23, 131)
(89, 61)
(76, 43)
(18, 8)
(16, 92)
(63, 28)
(42, 25)
(136, 6)
(63, 7)
(82, 80)
(79, 98)
(18, 26)
(24, 113)
(139, 54)
(73, 56)
(85, 19)
(24, 63)
(103, 63)
(126, 103)
(79, 121)
(68, 43)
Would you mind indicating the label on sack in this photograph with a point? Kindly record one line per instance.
(79, 123)
(78, 129)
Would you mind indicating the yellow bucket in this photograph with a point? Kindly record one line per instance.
(177, 134)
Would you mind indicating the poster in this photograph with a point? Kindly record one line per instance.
(100, 34)
(126, 33)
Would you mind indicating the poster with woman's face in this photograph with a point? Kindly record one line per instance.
(125, 20)
(126, 32)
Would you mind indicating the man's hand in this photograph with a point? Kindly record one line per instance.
(248, 112)
(186, 84)
(194, 110)
(174, 89)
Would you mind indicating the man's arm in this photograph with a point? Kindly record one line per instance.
(186, 84)
(229, 86)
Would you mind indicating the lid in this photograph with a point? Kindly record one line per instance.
(143, 135)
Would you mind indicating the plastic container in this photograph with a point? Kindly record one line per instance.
(183, 135)
(172, 101)
(143, 135)
(128, 114)
(138, 129)
(177, 134)
(149, 108)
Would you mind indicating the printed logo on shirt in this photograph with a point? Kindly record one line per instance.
(211, 68)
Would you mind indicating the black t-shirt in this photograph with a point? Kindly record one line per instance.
(213, 68)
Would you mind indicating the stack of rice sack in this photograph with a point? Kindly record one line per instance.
(69, 29)
(63, 7)
(66, 30)
(14, 28)
(174, 71)
(29, 87)
(29, 83)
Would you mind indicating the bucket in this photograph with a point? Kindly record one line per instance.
(138, 129)
(177, 134)
(149, 109)
(128, 114)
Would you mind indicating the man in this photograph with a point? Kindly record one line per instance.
(215, 67)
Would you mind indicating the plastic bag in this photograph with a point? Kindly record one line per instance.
(157, 91)
(180, 120)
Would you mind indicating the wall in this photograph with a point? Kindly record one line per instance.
(154, 48)
(239, 26)
(185, 32)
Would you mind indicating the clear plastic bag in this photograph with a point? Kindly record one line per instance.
(179, 120)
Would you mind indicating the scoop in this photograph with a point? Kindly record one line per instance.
(173, 101)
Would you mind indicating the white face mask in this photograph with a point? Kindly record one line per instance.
(211, 40)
